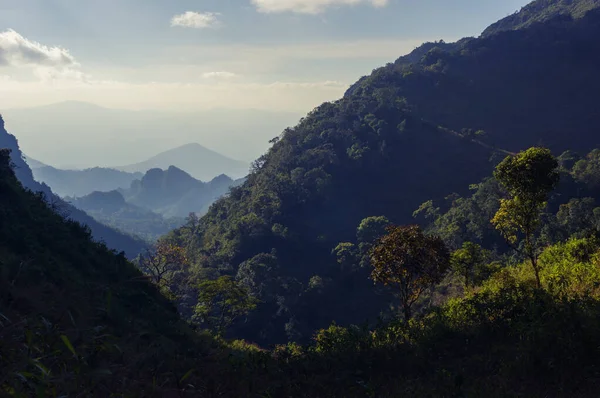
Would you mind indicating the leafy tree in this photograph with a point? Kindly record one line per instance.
(346, 255)
(221, 302)
(162, 262)
(529, 177)
(587, 170)
(579, 217)
(371, 228)
(410, 261)
(470, 263)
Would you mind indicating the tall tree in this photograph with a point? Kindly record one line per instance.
(469, 262)
(529, 177)
(410, 261)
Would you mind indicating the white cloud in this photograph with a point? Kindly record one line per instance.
(310, 6)
(15, 50)
(219, 75)
(48, 64)
(197, 20)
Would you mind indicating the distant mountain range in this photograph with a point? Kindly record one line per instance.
(114, 239)
(82, 182)
(80, 135)
(175, 193)
(200, 162)
(110, 208)
(197, 161)
(155, 204)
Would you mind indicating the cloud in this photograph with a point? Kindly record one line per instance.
(15, 50)
(309, 6)
(219, 75)
(197, 20)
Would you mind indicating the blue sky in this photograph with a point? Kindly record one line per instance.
(199, 54)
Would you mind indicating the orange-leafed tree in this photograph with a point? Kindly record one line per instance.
(410, 262)
(163, 262)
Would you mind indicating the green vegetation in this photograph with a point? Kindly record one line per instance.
(529, 178)
(410, 133)
(409, 261)
(496, 294)
(542, 11)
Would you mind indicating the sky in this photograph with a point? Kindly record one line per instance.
(199, 54)
(284, 56)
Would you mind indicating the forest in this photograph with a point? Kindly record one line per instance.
(435, 232)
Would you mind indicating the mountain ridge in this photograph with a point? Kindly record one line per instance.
(540, 11)
(114, 239)
(415, 130)
(197, 160)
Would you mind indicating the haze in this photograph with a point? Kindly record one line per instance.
(229, 75)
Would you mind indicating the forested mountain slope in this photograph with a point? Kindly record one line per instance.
(407, 133)
(114, 239)
(542, 11)
(74, 316)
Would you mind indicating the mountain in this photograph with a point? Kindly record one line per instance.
(418, 129)
(174, 193)
(32, 163)
(200, 162)
(79, 320)
(153, 205)
(542, 11)
(82, 182)
(113, 239)
(79, 135)
(71, 307)
(110, 208)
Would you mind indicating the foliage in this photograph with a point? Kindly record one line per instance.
(162, 264)
(471, 262)
(529, 177)
(409, 261)
(587, 170)
(221, 302)
(399, 137)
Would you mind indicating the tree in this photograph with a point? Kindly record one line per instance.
(346, 255)
(410, 261)
(162, 262)
(529, 177)
(369, 230)
(221, 302)
(469, 262)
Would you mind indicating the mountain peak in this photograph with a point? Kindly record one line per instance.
(541, 11)
(194, 159)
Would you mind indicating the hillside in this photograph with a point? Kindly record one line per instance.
(408, 133)
(77, 319)
(75, 316)
(110, 208)
(311, 259)
(114, 239)
(542, 11)
(200, 162)
(83, 182)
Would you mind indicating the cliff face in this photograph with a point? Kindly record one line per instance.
(113, 239)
